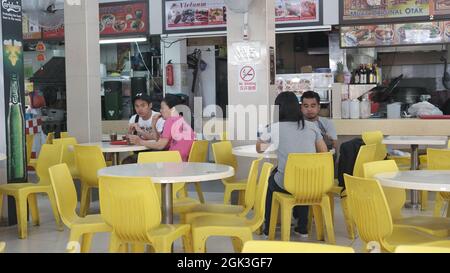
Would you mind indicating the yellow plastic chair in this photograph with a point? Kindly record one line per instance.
(50, 137)
(89, 160)
(66, 200)
(421, 249)
(181, 202)
(24, 193)
(224, 136)
(223, 155)
(308, 177)
(239, 228)
(64, 135)
(131, 207)
(439, 160)
(2, 247)
(370, 211)
(224, 209)
(69, 154)
(199, 154)
(396, 199)
(292, 247)
(376, 137)
(29, 143)
(366, 153)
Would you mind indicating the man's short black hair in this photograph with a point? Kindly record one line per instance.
(144, 97)
(311, 95)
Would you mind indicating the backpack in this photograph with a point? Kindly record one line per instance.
(347, 157)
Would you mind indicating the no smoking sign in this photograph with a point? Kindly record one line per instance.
(247, 79)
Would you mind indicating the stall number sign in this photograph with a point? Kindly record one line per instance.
(247, 79)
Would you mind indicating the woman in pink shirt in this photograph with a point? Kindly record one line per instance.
(177, 135)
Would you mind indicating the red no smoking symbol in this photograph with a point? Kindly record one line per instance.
(247, 73)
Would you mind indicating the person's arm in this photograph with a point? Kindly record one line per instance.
(321, 147)
(155, 130)
(334, 144)
(159, 145)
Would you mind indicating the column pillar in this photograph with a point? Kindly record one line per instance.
(83, 70)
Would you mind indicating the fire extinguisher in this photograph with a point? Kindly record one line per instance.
(169, 74)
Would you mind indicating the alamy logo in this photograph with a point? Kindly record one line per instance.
(9, 6)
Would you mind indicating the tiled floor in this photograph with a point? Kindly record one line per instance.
(45, 238)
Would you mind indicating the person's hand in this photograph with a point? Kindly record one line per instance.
(134, 140)
(135, 127)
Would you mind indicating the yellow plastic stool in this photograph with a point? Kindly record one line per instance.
(292, 247)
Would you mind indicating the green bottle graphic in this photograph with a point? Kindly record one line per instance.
(16, 136)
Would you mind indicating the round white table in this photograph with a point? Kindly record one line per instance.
(167, 174)
(438, 181)
(106, 147)
(2, 156)
(250, 151)
(414, 142)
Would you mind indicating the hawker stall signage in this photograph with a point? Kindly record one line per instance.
(211, 15)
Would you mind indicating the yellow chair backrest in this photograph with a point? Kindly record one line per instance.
(376, 137)
(396, 198)
(199, 151)
(292, 247)
(368, 208)
(224, 136)
(64, 135)
(260, 197)
(2, 247)
(159, 157)
(29, 141)
(251, 187)
(309, 176)
(50, 155)
(421, 249)
(162, 157)
(50, 137)
(130, 206)
(223, 154)
(438, 159)
(366, 154)
(65, 193)
(89, 160)
(68, 152)
(448, 145)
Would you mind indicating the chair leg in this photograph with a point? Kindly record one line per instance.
(241, 200)
(138, 248)
(273, 218)
(115, 245)
(1, 205)
(286, 212)
(318, 219)
(187, 243)
(22, 213)
(86, 242)
(424, 200)
(331, 195)
(439, 204)
(199, 242)
(198, 189)
(32, 202)
(310, 220)
(85, 200)
(326, 212)
(51, 197)
(239, 241)
(227, 196)
(348, 220)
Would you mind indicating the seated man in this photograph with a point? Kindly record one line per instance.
(146, 124)
(311, 108)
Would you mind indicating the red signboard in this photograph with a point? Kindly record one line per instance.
(54, 34)
(123, 18)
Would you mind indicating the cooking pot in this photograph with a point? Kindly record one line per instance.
(408, 95)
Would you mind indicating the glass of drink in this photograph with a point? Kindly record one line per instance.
(113, 137)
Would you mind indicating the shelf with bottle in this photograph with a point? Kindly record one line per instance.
(366, 74)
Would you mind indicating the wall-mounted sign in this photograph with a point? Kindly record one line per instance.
(436, 32)
(55, 33)
(31, 30)
(392, 11)
(247, 79)
(181, 16)
(124, 18)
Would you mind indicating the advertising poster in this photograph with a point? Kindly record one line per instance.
(436, 32)
(124, 18)
(211, 15)
(440, 7)
(56, 33)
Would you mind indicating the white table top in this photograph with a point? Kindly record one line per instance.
(2, 156)
(106, 138)
(416, 180)
(250, 151)
(166, 173)
(108, 148)
(416, 140)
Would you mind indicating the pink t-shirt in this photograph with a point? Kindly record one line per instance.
(180, 136)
